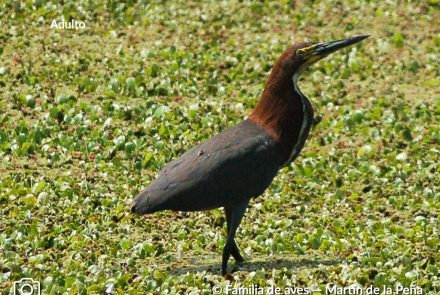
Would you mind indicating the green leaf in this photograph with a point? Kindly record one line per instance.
(398, 40)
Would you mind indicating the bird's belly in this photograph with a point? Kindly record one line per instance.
(189, 204)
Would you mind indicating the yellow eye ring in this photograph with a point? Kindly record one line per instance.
(300, 52)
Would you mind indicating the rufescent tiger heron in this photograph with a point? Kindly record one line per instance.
(238, 164)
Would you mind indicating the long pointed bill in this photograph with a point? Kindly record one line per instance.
(324, 49)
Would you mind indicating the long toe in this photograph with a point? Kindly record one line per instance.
(228, 276)
(237, 267)
(240, 262)
(224, 272)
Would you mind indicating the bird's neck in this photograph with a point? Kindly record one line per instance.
(284, 113)
(280, 110)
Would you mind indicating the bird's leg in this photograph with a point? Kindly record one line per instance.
(234, 215)
(235, 252)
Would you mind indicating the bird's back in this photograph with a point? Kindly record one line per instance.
(236, 164)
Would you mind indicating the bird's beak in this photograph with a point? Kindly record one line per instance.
(321, 50)
(324, 49)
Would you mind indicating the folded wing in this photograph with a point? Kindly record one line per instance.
(237, 164)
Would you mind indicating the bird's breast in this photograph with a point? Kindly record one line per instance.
(299, 132)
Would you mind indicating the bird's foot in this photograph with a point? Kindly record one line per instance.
(228, 276)
(239, 261)
(236, 267)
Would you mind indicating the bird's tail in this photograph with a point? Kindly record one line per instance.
(141, 204)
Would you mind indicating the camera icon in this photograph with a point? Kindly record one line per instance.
(26, 286)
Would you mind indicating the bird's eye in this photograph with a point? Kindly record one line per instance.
(300, 52)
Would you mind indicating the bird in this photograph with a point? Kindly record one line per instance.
(239, 164)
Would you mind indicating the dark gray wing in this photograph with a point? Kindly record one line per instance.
(234, 165)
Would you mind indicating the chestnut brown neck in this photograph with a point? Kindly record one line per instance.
(284, 112)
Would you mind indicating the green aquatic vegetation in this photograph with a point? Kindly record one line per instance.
(89, 116)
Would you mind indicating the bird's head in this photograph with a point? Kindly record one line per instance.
(276, 106)
(300, 56)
